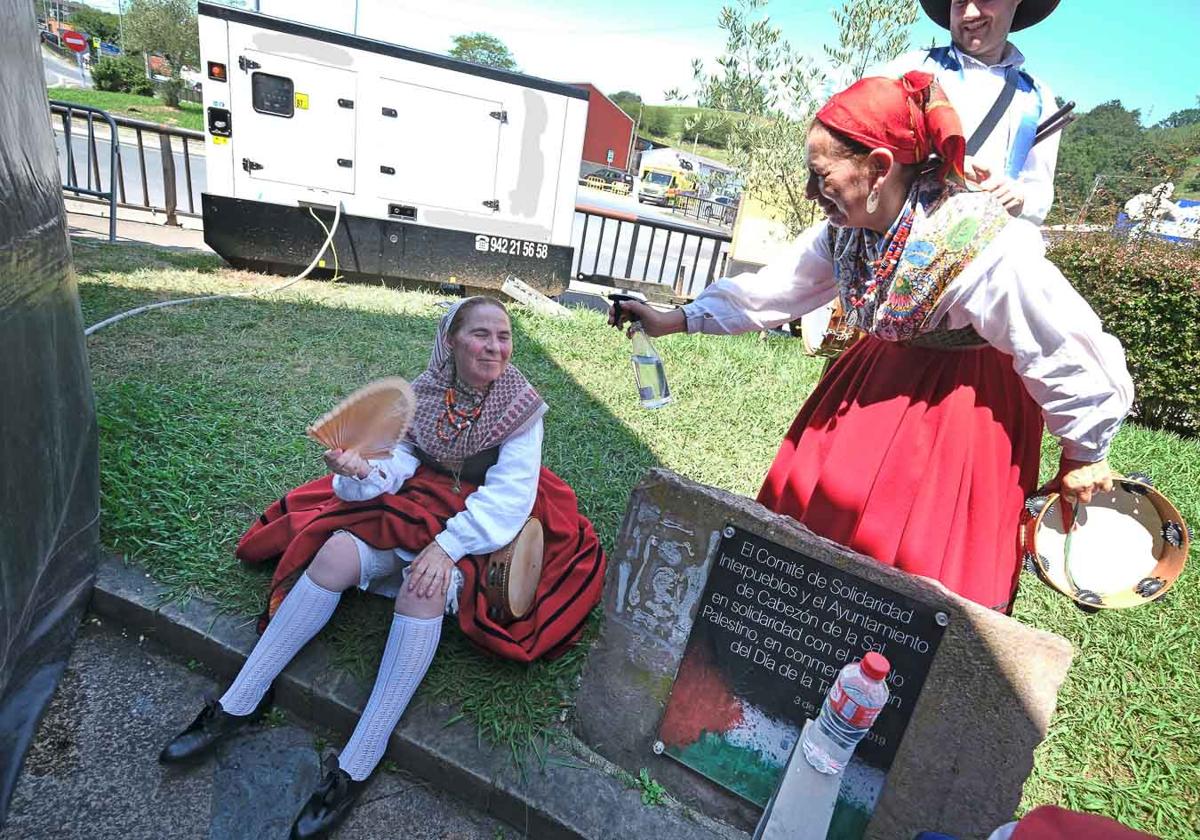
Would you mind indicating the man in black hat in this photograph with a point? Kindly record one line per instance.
(1000, 102)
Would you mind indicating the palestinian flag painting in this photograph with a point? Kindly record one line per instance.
(713, 726)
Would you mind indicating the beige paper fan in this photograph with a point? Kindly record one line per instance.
(370, 422)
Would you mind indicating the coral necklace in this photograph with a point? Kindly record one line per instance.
(454, 420)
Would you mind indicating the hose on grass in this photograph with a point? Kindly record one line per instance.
(329, 232)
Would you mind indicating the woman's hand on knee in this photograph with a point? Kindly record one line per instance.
(431, 572)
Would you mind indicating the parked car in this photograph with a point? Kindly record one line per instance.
(722, 208)
(614, 179)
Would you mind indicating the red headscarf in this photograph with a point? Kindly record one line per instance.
(909, 116)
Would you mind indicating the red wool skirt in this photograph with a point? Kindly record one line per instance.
(293, 529)
(919, 458)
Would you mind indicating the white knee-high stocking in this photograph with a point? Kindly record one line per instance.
(410, 647)
(303, 612)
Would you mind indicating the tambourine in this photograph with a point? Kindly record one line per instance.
(825, 331)
(1122, 549)
(512, 573)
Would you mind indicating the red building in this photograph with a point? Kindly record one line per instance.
(609, 131)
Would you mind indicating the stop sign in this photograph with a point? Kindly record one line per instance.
(75, 41)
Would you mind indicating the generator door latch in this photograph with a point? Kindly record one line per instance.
(346, 103)
(250, 165)
(389, 112)
(388, 170)
(493, 205)
(502, 116)
(246, 64)
(347, 164)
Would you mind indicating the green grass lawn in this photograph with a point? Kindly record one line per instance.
(148, 108)
(202, 410)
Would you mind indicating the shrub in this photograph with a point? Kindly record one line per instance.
(1147, 293)
(656, 120)
(122, 74)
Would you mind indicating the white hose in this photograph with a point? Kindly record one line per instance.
(337, 215)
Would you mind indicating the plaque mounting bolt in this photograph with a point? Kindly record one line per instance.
(942, 619)
(728, 532)
(658, 747)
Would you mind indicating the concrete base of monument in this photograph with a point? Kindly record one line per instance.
(978, 701)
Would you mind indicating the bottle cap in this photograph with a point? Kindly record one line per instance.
(875, 666)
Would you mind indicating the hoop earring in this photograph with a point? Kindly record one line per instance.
(872, 201)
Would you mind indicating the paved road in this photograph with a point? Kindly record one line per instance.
(62, 73)
(91, 773)
(130, 165)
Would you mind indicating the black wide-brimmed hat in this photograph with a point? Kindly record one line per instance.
(1028, 13)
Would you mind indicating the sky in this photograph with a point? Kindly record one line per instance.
(1143, 53)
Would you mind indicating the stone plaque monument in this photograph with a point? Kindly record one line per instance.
(973, 690)
(772, 630)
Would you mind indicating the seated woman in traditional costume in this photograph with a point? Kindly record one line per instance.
(416, 526)
(922, 441)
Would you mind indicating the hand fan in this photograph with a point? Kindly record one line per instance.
(370, 422)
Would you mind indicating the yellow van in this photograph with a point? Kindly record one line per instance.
(660, 184)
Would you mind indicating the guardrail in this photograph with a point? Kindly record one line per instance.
(91, 163)
(159, 185)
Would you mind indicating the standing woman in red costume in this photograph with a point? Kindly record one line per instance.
(922, 441)
(417, 527)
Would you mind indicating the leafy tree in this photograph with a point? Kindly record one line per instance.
(98, 24)
(774, 90)
(714, 132)
(870, 32)
(1187, 116)
(1104, 142)
(167, 28)
(627, 101)
(481, 48)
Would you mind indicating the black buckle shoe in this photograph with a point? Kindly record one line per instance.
(212, 726)
(330, 803)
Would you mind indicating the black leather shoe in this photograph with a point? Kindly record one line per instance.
(329, 804)
(212, 726)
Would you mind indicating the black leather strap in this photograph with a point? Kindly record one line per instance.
(993, 116)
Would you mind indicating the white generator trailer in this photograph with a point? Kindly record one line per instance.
(444, 171)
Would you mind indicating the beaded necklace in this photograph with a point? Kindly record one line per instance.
(455, 420)
(885, 266)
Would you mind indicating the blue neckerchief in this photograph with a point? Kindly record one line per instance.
(1022, 142)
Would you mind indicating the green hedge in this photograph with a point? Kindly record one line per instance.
(1148, 295)
(122, 74)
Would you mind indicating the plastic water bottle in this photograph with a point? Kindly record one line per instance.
(648, 369)
(853, 703)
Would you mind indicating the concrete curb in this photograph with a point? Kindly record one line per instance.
(571, 796)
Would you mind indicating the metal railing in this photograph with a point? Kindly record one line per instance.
(91, 162)
(704, 209)
(155, 187)
(660, 258)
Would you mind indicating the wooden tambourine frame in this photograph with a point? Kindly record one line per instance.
(1098, 572)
